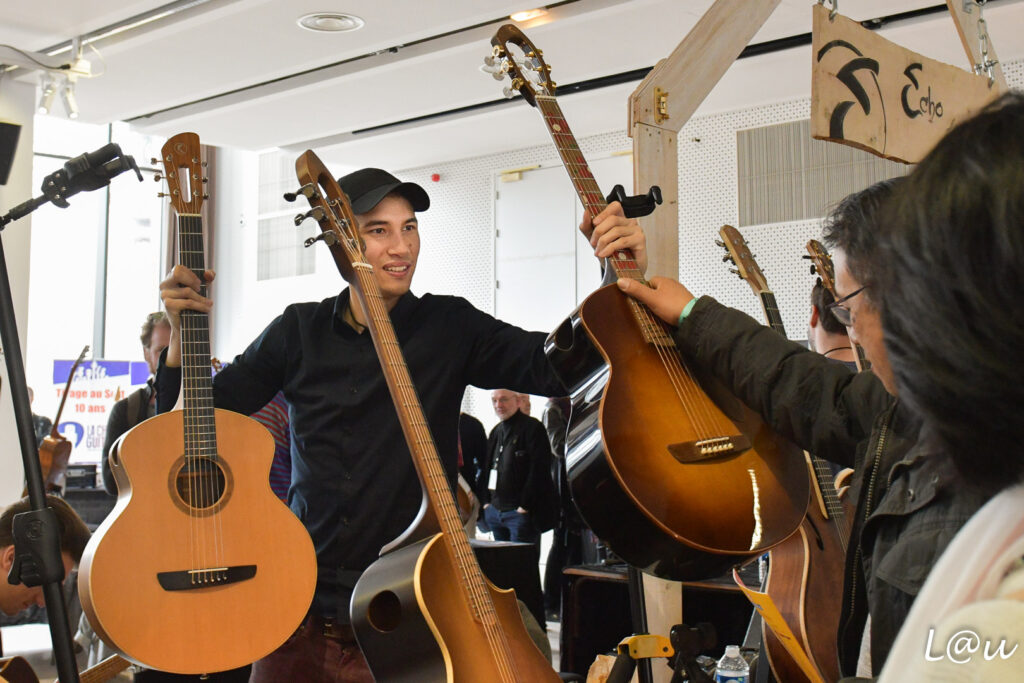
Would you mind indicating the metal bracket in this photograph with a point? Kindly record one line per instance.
(660, 105)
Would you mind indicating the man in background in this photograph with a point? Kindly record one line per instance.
(140, 404)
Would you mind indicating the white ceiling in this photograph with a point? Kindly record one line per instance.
(242, 74)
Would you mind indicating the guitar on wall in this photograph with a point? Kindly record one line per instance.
(805, 572)
(55, 449)
(200, 567)
(423, 611)
(821, 265)
(675, 483)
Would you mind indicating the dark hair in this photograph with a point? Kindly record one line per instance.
(953, 279)
(152, 320)
(74, 534)
(853, 226)
(820, 299)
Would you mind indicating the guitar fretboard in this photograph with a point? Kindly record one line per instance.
(197, 378)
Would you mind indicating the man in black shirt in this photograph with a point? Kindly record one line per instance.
(353, 483)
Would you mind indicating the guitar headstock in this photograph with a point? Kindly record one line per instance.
(738, 252)
(331, 209)
(513, 54)
(821, 265)
(183, 170)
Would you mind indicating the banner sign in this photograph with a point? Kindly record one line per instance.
(871, 93)
(97, 385)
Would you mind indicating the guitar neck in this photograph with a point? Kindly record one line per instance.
(771, 311)
(196, 378)
(417, 435)
(622, 262)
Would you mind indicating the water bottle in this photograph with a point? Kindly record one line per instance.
(732, 668)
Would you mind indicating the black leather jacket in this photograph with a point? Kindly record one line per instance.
(909, 504)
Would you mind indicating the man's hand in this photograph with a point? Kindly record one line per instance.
(180, 291)
(521, 510)
(610, 231)
(666, 297)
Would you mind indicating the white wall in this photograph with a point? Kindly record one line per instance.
(17, 105)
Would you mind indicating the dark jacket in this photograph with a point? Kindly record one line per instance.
(909, 504)
(126, 413)
(519, 448)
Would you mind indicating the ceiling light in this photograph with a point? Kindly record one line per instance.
(67, 95)
(330, 22)
(528, 14)
(49, 90)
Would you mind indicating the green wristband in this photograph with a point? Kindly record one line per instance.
(686, 311)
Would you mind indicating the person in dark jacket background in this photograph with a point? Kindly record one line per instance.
(909, 502)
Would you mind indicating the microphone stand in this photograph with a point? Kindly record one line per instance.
(37, 553)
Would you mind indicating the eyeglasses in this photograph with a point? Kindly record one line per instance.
(841, 312)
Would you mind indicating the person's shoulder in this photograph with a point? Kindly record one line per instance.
(444, 302)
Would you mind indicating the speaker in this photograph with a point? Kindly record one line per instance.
(8, 145)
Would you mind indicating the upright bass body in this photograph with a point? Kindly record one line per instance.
(195, 583)
(633, 472)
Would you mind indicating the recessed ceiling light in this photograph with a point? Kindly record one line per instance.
(330, 22)
(527, 14)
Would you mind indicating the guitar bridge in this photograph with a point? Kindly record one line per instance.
(706, 449)
(193, 579)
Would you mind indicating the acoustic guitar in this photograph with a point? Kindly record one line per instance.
(805, 572)
(55, 449)
(423, 611)
(199, 567)
(17, 670)
(821, 265)
(675, 483)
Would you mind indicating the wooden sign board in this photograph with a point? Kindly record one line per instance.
(870, 93)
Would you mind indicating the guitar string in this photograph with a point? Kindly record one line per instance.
(436, 480)
(591, 197)
(679, 373)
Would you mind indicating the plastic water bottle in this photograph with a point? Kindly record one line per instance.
(732, 668)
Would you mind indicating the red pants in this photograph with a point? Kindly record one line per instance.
(319, 652)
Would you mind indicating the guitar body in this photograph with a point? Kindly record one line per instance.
(805, 580)
(674, 519)
(17, 670)
(407, 603)
(225, 622)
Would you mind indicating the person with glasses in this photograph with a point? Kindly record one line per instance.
(908, 504)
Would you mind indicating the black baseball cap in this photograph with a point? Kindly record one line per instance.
(367, 186)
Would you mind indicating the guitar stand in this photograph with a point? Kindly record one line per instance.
(638, 205)
(37, 557)
(681, 649)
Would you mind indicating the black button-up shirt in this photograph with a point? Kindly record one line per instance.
(353, 482)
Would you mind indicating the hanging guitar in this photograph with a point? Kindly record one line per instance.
(423, 611)
(676, 484)
(805, 572)
(199, 567)
(55, 449)
(821, 265)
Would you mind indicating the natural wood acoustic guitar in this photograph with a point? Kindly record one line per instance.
(17, 670)
(424, 611)
(200, 567)
(677, 476)
(805, 572)
(821, 265)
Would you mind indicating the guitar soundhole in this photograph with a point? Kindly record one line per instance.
(385, 612)
(201, 484)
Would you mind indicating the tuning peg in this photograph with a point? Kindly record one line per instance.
(162, 194)
(498, 75)
(157, 177)
(328, 238)
(154, 161)
(814, 271)
(508, 92)
(720, 243)
(316, 213)
(308, 191)
(728, 259)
